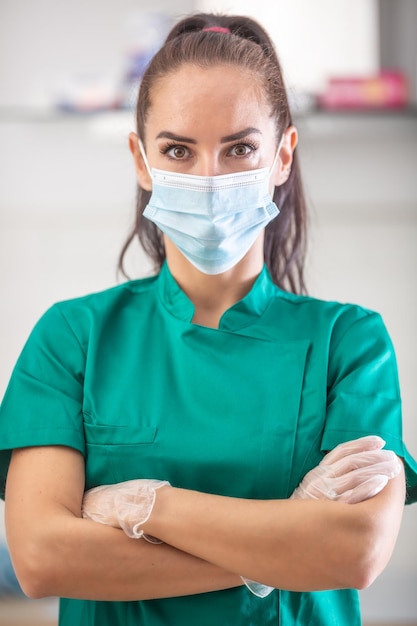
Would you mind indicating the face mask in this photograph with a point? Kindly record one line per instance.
(212, 220)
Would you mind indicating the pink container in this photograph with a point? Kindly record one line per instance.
(387, 90)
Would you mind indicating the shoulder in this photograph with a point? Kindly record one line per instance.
(81, 315)
(351, 339)
(130, 292)
(334, 328)
(332, 317)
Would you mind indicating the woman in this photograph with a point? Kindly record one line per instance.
(211, 387)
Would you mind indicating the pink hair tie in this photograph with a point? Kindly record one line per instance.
(217, 29)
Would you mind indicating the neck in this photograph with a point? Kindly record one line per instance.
(212, 295)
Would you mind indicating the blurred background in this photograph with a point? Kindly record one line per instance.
(68, 77)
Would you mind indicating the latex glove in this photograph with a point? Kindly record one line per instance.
(125, 505)
(354, 471)
(257, 588)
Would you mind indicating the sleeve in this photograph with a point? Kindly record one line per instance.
(43, 401)
(363, 388)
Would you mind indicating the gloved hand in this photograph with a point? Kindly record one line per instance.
(354, 471)
(258, 589)
(125, 505)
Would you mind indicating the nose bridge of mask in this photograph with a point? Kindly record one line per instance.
(211, 178)
(212, 197)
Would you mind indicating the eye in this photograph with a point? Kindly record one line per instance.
(242, 149)
(175, 151)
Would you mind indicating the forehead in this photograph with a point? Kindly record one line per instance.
(221, 96)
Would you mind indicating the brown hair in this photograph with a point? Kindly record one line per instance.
(248, 46)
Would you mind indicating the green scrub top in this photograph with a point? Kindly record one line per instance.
(245, 410)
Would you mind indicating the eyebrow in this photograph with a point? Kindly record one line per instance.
(243, 133)
(166, 134)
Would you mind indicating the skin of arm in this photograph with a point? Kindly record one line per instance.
(298, 545)
(56, 553)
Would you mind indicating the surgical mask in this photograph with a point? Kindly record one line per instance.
(212, 220)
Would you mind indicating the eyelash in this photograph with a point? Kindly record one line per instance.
(172, 144)
(247, 144)
(165, 150)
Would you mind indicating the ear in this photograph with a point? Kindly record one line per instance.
(283, 165)
(142, 173)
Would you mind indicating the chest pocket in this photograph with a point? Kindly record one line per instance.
(212, 412)
(109, 447)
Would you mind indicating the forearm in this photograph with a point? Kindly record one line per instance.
(277, 542)
(81, 559)
(57, 553)
(297, 545)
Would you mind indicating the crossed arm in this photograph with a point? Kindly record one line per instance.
(210, 541)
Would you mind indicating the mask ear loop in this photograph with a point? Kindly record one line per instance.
(144, 157)
(271, 169)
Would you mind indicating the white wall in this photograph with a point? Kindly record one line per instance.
(315, 40)
(47, 44)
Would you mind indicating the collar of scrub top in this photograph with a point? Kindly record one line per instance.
(244, 313)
